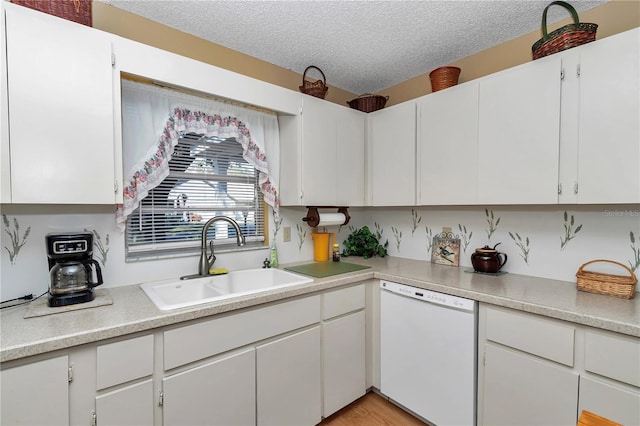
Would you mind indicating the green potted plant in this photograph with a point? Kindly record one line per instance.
(362, 242)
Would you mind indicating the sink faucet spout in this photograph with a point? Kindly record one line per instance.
(207, 260)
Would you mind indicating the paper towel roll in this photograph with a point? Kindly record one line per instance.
(332, 219)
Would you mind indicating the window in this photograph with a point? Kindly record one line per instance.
(207, 177)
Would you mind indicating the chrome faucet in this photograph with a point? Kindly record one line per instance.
(207, 260)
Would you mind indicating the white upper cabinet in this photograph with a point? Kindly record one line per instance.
(5, 163)
(518, 134)
(322, 155)
(609, 127)
(392, 161)
(61, 119)
(448, 146)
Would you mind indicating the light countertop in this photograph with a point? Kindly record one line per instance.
(132, 311)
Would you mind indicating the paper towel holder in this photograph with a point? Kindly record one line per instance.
(313, 216)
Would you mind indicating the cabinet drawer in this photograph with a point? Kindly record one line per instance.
(123, 361)
(193, 342)
(340, 302)
(613, 356)
(528, 333)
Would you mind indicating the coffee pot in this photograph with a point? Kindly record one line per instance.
(487, 259)
(71, 268)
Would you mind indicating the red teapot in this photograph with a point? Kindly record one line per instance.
(487, 259)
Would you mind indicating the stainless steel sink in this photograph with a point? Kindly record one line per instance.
(174, 294)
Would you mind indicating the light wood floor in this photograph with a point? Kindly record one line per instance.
(371, 410)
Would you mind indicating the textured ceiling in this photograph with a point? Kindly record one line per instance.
(362, 46)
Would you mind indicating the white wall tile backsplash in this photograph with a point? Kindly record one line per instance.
(597, 232)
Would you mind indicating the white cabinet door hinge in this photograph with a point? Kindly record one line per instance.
(94, 418)
(113, 60)
(161, 399)
(70, 374)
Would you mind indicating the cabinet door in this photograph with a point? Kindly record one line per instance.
(319, 132)
(132, 405)
(392, 143)
(221, 392)
(36, 394)
(61, 110)
(609, 401)
(448, 146)
(609, 128)
(518, 134)
(322, 155)
(5, 165)
(343, 353)
(350, 158)
(521, 390)
(288, 380)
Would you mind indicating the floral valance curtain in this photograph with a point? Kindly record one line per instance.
(152, 120)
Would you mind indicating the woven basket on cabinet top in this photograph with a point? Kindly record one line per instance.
(614, 285)
(444, 77)
(563, 38)
(314, 88)
(368, 102)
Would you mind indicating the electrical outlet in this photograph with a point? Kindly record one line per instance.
(446, 229)
(286, 234)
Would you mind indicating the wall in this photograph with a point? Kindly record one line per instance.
(538, 240)
(612, 18)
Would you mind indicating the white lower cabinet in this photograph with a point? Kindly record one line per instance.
(36, 393)
(343, 353)
(128, 406)
(535, 370)
(343, 347)
(259, 366)
(288, 380)
(522, 390)
(220, 392)
(609, 400)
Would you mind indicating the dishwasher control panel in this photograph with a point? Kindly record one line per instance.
(429, 296)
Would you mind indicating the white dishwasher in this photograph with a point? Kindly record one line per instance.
(428, 346)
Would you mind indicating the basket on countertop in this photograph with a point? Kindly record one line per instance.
(444, 77)
(368, 102)
(563, 38)
(316, 88)
(601, 283)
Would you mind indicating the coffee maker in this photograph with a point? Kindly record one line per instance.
(71, 262)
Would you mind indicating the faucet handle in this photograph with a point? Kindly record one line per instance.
(266, 263)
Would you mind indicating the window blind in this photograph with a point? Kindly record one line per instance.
(208, 177)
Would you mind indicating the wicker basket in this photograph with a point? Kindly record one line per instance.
(601, 283)
(368, 102)
(314, 88)
(73, 10)
(444, 77)
(563, 38)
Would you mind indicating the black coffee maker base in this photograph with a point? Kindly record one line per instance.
(56, 300)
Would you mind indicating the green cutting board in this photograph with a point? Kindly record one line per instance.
(325, 269)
